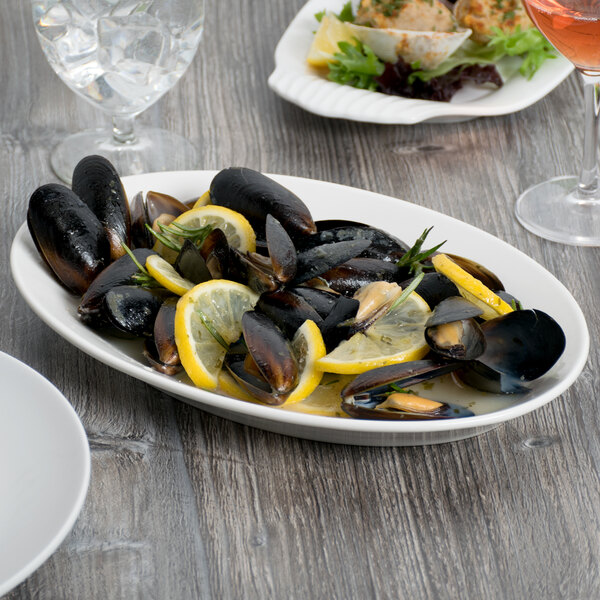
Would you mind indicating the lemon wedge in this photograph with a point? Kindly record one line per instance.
(397, 336)
(209, 311)
(167, 276)
(471, 289)
(325, 42)
(308, 347)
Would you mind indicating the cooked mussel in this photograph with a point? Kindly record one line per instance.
(120, 272)
(161, 349)
(381, 393)
(98, 184)
(282, 252)
(354, 274)
(255, 196)
(287, 310)
(68, 236)
(146, 210)
(452, 330)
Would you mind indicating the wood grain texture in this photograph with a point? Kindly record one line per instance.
(183, 504)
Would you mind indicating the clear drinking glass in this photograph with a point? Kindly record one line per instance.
(567, 209)
(121, 56)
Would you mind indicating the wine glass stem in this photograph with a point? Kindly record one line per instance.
(122, 131)
(588, 176)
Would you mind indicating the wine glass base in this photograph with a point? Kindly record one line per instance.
(556, 211)
(153, 150)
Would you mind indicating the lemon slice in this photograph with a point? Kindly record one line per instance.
(167, 276)
(204, 200)
(471, 288)
(326, 399)
(308, 347)
(235, 226)
(212, 307)
(397, 336)
(325, 42)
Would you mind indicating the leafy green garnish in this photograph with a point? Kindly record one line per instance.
(169, 233)
(143, 278)
(408, 290)
(400, 390)
(530, 44)
(414, 258)
(346, 15)
(355, 65)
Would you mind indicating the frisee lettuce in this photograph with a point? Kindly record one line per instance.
(356, 65)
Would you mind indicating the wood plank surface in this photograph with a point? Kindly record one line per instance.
(183, 504)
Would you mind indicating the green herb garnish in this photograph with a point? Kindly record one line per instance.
(414, 284)
(169, 233)
(143, 278)
(346, 15)
(414, 258)
(356, 65)
(211, 329)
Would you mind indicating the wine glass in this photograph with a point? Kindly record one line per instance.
(567, 209)
(121, 56)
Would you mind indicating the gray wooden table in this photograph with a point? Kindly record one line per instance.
(183, 504)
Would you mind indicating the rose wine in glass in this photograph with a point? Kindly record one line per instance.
(567, 209)
(121, 56)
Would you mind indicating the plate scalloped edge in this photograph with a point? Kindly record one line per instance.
(59, 312)
(296, 82)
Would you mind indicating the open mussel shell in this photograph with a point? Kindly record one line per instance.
(97, 183)
(321, 300)
(366, 406)
(487, 277)
(146, 209)
(523, 344)
(255, 385)
(120, 272)
(270, 351)
(152, 355)
(320, 259)
(480, 377)
(255, 196)
(131, 310)
(383, 245)
(282, 251)
(191, 264)
(355, 273)
(337, 325)
(68, 236)
(428, 48)
(216, 253)
(164, 334)
(287, 310)
(452, 330)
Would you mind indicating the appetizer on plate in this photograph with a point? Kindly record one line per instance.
(256, 300)
(423, 49)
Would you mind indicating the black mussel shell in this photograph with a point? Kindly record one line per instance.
(321, 300)
(402, 374)
(350, 276)
(255, 196)
(383, 245)
(282, 251)
(164, 333)
(336, 326)
(247, 269)
(480, 377)
(287, 310)
(315, 261)
(216, 253)
(523, 344)
(271, 352)
(191, 264)
(365, 407)
(97, 183)
(151, 353)
(254, 385)
(68, 236)
(433, 288)
(455, 308)
(131, 310)
(120, 272)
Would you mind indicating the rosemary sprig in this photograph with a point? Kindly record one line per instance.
(414, 258)
(169, 233)
(143, 278)
(414, 284)
(396, 388)
(211, 329)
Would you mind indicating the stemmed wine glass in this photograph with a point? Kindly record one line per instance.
(121, 56)
(567, 209)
